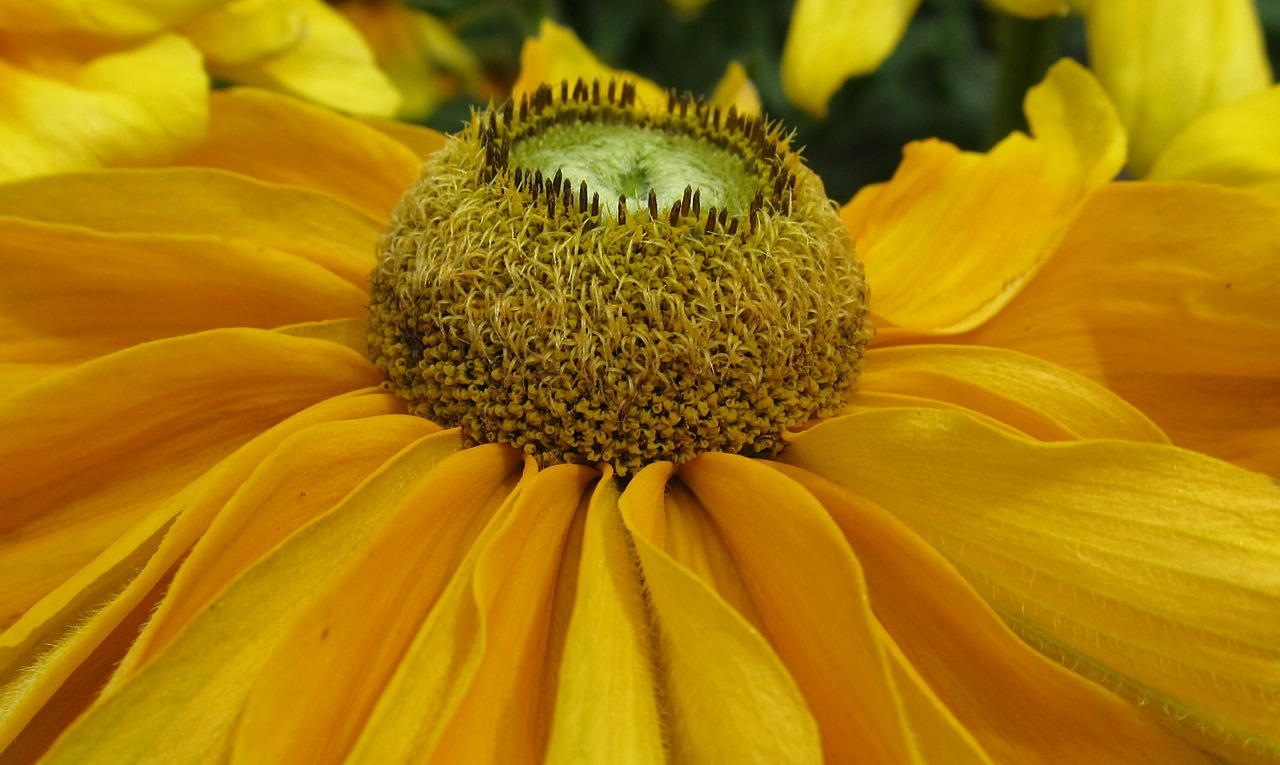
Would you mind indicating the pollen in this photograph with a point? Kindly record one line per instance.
(596, 280)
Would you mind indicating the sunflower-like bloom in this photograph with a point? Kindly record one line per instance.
(124, 81)
(223, 538)
(1202, 108)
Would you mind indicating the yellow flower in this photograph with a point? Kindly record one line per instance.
(224, 539)
(1190, 81)
(420, 53)
(123, 81)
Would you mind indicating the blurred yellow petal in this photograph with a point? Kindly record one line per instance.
(175, 700)
(330, 64)
(1150, 298)
(1236, 144)
(832, 40)
(812, 601)
(1037, 398)
(1033, 9)
(711, 654)
(1152, 569)
(606, 707)
(954, 236)
(736, 89)
(307, 146)
(69, 294)
(312, 225)
(65, 109)
(420, 53)
(1165, 68)
(244, 31)
(557, 54)
(123, 18)
(1000, 694)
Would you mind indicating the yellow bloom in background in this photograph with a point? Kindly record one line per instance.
(420, 53)
(124, 81)
(1190, 79)
(223, 538)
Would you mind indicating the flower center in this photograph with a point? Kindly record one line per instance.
(593, 281)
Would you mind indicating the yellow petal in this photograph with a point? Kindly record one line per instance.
(342, 650)
(711, 653)
(123, 18)
(146, 422)
(245, 31)
(202, 202)
(330, 64)
(557, 54)
(1039, 399)
(736, 90)
(812, 601)
(63, 109)
(954, 236)
(180, 702)
(70, 294)
(832, 40)
(1235, 144)
(1163, 69)
(306, 146)
(1148, 296)
(1149, 568)
(993, 692)
(606, 707)
(420, 53)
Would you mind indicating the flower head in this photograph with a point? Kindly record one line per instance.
(228, 538)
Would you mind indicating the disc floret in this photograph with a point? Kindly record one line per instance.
(594, 280)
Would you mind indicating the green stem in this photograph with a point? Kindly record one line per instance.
(1027, 48)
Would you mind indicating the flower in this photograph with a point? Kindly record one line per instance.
(1201, 110)
(224, 538)
(124, 82)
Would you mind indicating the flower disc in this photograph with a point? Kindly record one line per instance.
(596, 281)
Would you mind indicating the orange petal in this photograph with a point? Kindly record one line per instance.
(70, 294)
(1010, 700)
(56, 658)
(1235, 144)
(1146, 295)
(1147, 567)
(1035, 397)
(710, 652)
(422, 141)
(345, 647)
(63, 109)
(1211, 52)
(306, 146)
(606, 707)
(811, 597)
(194, 201)
(557, 54)
(146, 422)
(181, 701)
(954, 236)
